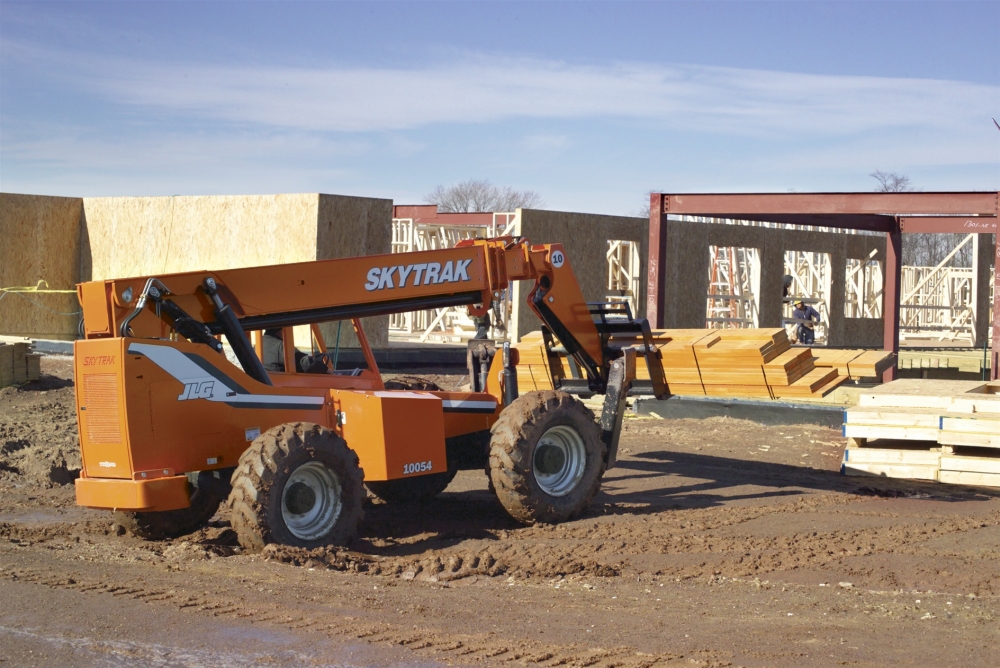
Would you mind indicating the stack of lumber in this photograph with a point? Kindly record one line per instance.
(951, 426)
(973, 419)
(17, 365)
(6, 364)
(33, 366)
(752, 363)
(854, 364)
(680, 366)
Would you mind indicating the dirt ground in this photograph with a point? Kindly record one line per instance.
(713, 543)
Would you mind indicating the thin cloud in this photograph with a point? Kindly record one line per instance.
(752, 103)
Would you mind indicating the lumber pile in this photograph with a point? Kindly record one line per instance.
(751, 363)
(854, 364)
(942, 430)
(17, 364)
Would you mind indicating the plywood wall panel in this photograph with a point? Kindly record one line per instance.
(348, 227)
(39, 240)
(686, 273)
(585, 237)
(142, 236)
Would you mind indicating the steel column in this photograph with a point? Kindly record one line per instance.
(891, 298)
(995, 368)
(656, 274)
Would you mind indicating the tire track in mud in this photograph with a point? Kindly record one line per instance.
(486, 648)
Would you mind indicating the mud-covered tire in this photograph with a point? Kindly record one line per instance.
(517, 460)
(412, 383)
(209, 491)
(317, 463)
(411, 490)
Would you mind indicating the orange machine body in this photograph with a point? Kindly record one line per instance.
(154, 407)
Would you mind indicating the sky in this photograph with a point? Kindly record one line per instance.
(589, 104)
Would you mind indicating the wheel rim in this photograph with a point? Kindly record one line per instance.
(559, 461)
(310, 501)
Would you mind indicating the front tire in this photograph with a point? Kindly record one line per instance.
(298, 484)
(546, 457)
(207, 493)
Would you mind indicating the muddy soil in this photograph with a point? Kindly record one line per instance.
(713, 543)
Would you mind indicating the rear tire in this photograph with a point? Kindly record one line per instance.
(546, 457)
(207, 493)
(411, 490)
(298, 484)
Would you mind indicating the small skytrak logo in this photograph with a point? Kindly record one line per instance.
(426, 273)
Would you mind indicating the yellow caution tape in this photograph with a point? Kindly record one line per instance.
(37, 288)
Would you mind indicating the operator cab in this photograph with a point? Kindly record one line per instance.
(349, 362)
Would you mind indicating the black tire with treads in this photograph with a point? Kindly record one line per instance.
(264, 468)
(512, 453)
(211, 489)
(411, 490)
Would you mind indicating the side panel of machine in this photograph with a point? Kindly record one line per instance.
(396, 434)
(100, 401)
(190, 409)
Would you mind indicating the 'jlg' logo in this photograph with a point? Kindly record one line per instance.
(197, 391)
(426, 273)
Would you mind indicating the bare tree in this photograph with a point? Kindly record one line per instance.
(891, 182)
(922, 250)
(482, 196)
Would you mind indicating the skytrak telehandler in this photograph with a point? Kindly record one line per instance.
(169, 425)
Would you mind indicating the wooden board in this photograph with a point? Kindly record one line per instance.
(968, 478)
(20, 362)
(894, 417)
(908, 472)
(6, 364)
(919, 393)
(970, 464)
(34, 365)
(892, 456)
(870, 364)
(901, 433)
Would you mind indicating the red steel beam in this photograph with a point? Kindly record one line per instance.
(657, 263)
(940, 203)
(891, 299)
(995, 368)
(948, 224)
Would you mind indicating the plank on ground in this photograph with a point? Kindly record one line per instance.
(904, 471)
(968, 478)
(901, 433)
(892, 456)
(970, 464)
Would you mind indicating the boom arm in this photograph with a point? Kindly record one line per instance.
(473, 273)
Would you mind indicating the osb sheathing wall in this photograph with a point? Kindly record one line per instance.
(148, 236)
(585, 237)
(115, 237)
(687, 263)
(39, 241)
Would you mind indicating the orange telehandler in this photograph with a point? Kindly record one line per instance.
(169, 425)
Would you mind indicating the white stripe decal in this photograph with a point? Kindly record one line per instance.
(468, 404)
(199, 384)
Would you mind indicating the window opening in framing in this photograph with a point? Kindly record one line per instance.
(733, 287)
(863, 288)
(811, 282)
(623, 272)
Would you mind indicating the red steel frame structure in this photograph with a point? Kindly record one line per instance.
(894, 214)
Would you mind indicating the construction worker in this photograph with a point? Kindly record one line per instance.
(805, 317)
